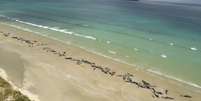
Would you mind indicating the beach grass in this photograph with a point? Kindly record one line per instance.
(7, 92)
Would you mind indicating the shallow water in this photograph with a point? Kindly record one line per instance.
(163, 38)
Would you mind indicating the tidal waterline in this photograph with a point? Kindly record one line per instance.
(162, 38)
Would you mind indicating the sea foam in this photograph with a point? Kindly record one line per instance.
(112, 52)
(171, 44)
(57, 29)
(193, 48)
(136, 49)
(163, 56)
(108, 42)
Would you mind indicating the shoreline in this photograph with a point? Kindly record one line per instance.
(78, 60)
(190, 83)
(174, 78)
(114, 59)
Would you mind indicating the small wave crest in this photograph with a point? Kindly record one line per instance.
(112, 52)
(193, 49)
(174, 78)
(163, 56)
(171, 44)
(57, 29)
(108, 42)
(109, 57)
(136, 49)
(22, 28)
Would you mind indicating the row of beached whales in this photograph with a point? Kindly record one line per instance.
(127, 77)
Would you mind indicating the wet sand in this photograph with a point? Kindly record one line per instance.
(55, 71)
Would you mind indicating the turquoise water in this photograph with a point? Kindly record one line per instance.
(155, 37)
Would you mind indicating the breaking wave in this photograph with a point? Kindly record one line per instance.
(57, 29)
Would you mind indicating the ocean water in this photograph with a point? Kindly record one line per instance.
(157, 37)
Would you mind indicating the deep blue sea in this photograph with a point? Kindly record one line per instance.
(157, 37)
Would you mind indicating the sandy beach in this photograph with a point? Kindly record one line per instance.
(54, 71)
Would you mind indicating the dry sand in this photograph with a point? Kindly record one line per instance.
(52, 78)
